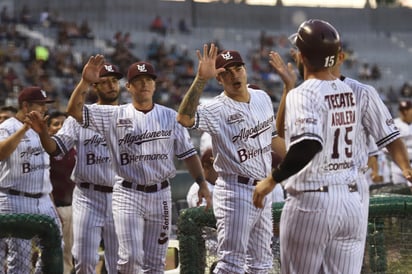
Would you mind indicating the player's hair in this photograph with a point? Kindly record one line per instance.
(55, 114)
(8, 108)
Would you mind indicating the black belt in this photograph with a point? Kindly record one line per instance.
(352, 188)
(25, 194)
(105, 189)
(245, 180)
(146, 188)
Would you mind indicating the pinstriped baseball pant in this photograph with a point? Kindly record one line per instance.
(244, 231)
(322, 232)
(142, 222)
(92, 221)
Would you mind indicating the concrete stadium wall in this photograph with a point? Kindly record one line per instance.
(137, 14)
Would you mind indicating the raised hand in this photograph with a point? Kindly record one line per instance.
(37, 122)
(286, 72)
(206, 69)
(92, 68)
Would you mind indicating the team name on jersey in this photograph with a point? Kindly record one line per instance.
(93, 159)
(31, 151)
(147, 136)
(126, 158)
(253, 132)
(95, 141)
(26, 167)
(246, 154)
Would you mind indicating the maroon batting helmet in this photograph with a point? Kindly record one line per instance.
(319, 42)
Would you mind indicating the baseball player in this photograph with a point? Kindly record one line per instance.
(241, 123)
(404, 123)
(60, 176)
(210, 176)
(143, 139)
(322, 120)
(24, 173)
(372, 108)
(94, 177)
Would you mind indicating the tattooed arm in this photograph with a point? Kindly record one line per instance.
(206, 71)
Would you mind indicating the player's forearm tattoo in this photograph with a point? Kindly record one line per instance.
(199, 179)
(192, 97)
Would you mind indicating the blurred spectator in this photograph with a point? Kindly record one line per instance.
(85, 31)
(157, 25)
(26, 17)
(44, 17)
(365, 72)
(406, 90)
(375, 72)
(183, 28)
(5, 17)
(404, 124)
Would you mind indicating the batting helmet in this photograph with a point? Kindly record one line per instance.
(319, 43)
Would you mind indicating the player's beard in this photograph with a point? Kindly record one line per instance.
(106, 100)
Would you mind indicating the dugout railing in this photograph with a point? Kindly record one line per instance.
(41, 227)
(388, 247)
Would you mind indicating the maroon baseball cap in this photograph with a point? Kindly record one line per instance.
(140, 68)
(34, 94)
(110, 70)
(405, 104)
(228, 58)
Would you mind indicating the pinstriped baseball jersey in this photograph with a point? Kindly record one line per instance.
(376, 117)
(324, 111)
(241, 133)
(93, 162)
(143, 144)
(27, 168)
(406, 134)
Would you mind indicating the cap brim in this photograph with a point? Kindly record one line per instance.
(118, 75)
(233, 63)
(146, 74)
(48, 101)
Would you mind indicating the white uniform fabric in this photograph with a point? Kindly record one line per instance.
(241, 135)
(375, 117)
(92, 209)
(143, 146)
(321, 232)
(406, 135)
(26, 170)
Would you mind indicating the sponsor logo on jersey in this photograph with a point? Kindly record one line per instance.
(339, 166)
(147, 136)
(235, 118)
(162, 239)
(253, 132)
(302, 121)
(126, 122)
